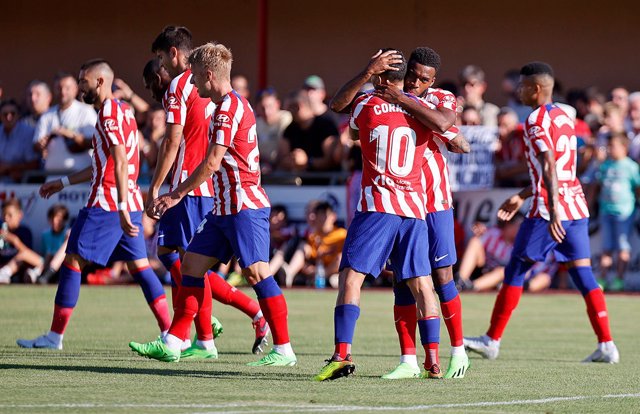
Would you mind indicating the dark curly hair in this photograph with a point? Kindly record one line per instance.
(426, 56)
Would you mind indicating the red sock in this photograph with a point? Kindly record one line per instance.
(275, 312)
(431, 355)
(406, 321)
(506, 302)
(598, 315)
(60, 319)
(452, 315)
(229, 295)
(176, 275)
(161, 312)
(191, 299)
(342, 349)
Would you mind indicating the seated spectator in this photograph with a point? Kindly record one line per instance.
(240, 84)
(54, 244)
(16, 149)
(311, 143)
(618, 182)
(323, 245)
(486, 255)
(284, 238)
(64, 132)
(511, 165)
(271, 121)
(15, 243)
(633, 126)
(38, 101)
(473, 89)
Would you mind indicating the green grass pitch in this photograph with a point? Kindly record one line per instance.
(538, 369)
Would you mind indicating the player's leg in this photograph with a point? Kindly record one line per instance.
(153, 291)
(406, 320)
(532, 243)
(170, 259)
(575, 250)
(370, 239)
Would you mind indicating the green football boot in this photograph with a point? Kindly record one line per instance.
(216, 327)
(335, 369)
(195, 352)
(155, 350)
(458, 366)
(274, 359)
(403, 371)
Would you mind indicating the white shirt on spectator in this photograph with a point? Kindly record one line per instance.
(79, 117)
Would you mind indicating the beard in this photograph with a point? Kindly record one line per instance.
(90, 96)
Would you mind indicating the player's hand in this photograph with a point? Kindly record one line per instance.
(123, 90)
(50, 188)
(510, 207)
(164, 203)
(382, 61)
(389, 93)
(127, 226)
(148, 207)
(556, 230)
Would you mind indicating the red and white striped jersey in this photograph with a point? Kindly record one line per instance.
(116, 125)
(185, 107)
(392, 179)
(549, 128)
(497, 249)
(237, 182)
(435, 169)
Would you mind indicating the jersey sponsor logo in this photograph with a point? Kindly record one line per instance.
(172, 102)
(535, 131)
(222, 118)
(383, 180)
(110, 125)
(449, 98)
(222, 121)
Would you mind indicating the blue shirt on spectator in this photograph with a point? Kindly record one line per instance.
(51, 241)
(16, 146)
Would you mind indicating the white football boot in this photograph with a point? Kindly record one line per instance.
(606, 352)
(482, 345)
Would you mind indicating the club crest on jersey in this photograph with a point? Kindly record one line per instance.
(110, 125)
(172, 102)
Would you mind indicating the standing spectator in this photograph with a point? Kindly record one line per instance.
(240, 84)
(633, 125)
(64, 132)
(619, 181)
(620, 97)
(271, 121)
(311, 143)
(511, 166)
(15, 242)
(16, 150)
(38, 101)
(314, 88)
(473, 89)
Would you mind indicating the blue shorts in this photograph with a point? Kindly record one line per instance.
(373, 238)
(96, 236)
(245, 235)
(534, 241)
(178, 224)
(615, 232)
(442, 242)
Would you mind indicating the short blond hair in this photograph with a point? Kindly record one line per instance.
(215, 57)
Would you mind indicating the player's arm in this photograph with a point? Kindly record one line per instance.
(209, 166)
(459, 145)
(438, 120)
(512, 205)
(550, 178)
(121, 171)
(166, 156)
(52, 187)
(379, 63)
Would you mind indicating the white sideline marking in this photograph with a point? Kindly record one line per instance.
(290, 408)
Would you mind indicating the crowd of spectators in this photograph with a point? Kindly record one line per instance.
(48, 132)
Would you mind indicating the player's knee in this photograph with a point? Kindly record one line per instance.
(583, 279)
(442, 276)
(516, 270)
(256, 272)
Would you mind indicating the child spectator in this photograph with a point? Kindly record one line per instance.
(54, 244)
(284, 238)
(15, 242)
(618, 181)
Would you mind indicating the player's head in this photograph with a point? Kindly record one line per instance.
(156, 79)
(12, 213)
(211, 68)
(65, 87)
(422, 68)
(395, 77)
(536, 84)
(172, 46)
(95, 81)
(58, 214)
